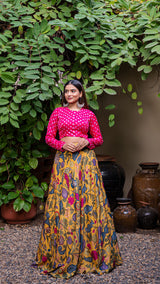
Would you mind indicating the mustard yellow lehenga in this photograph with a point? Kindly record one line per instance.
(78, 234)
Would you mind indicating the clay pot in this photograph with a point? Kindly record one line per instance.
(125, 216)
(20, 217)
(147, 217)
(146, 185)
(113, 176)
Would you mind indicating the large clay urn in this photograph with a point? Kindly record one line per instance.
(113, 176)
(146, 185)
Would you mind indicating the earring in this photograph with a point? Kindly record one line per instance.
(79, 103)
(65, 104)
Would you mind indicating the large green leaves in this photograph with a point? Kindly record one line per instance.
(43, 45)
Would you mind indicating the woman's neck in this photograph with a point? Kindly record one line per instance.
(73, 107)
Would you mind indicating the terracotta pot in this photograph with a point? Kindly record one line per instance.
(147, 217)
(125, 216)
(146, 185)
(113, 176)
(21, 217)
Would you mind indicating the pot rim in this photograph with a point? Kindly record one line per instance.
(149, 165)
(123, 200)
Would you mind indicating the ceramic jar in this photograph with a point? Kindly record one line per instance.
(146, 185)
(147, 217)
(113, 176)
(125, 216)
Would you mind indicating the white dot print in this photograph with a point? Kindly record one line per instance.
(73, 123)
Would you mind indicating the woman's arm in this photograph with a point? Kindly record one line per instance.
(52, 131)
(95, 132)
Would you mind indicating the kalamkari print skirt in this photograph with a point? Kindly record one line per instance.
(78, 234)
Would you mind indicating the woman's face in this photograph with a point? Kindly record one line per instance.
(72, 94)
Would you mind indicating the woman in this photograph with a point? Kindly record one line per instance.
(78, 234)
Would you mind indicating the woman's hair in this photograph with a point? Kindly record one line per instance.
(80, 87)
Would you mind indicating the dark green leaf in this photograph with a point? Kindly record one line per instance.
(3, 102)
(36, 134)
(44, 117)
(109, 107)
(44, 186)
(26, 206)
(38, 192)
(36, 154)
(29, 182)
(48, 80)
(14, 123)
(110, 91)
(33, 113)
(18, 204)
(94, 104)
(40, 125)
(8, 185)
(12, 195)
(33, 162)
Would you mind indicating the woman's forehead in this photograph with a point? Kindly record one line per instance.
(70, 87)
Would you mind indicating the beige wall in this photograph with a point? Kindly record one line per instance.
(135, 138)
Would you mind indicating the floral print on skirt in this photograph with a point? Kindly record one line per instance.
(78, 234)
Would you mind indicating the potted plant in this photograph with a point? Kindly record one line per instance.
(18, 205)
(19, 187)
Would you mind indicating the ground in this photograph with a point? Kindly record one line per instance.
(18, 244)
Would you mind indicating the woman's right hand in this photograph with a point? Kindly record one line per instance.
(71, 147)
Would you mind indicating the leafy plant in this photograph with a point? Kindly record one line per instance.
(22, 197)
(45, 43)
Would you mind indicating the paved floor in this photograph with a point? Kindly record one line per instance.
(18, 244)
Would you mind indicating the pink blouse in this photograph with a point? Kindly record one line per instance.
(73, 123)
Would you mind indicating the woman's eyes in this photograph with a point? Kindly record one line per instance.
(73, 91)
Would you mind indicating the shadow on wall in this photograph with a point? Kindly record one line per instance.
(134, 138)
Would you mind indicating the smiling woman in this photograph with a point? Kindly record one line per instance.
(72, 95)
(78, 235)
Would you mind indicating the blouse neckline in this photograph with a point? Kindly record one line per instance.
(74, 110)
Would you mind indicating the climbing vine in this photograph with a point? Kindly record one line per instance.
(45, 43)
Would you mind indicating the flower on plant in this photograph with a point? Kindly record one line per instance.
(45, 272)
(70, 200)
(44, 258)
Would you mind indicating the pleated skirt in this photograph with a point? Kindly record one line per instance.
(78, 234)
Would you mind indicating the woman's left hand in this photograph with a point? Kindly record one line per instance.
(81, 144)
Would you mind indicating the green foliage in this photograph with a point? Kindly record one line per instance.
(45, 43)
(134, 97)
(23, 197)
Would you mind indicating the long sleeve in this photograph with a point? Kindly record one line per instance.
(52, 131)
(95, 132)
